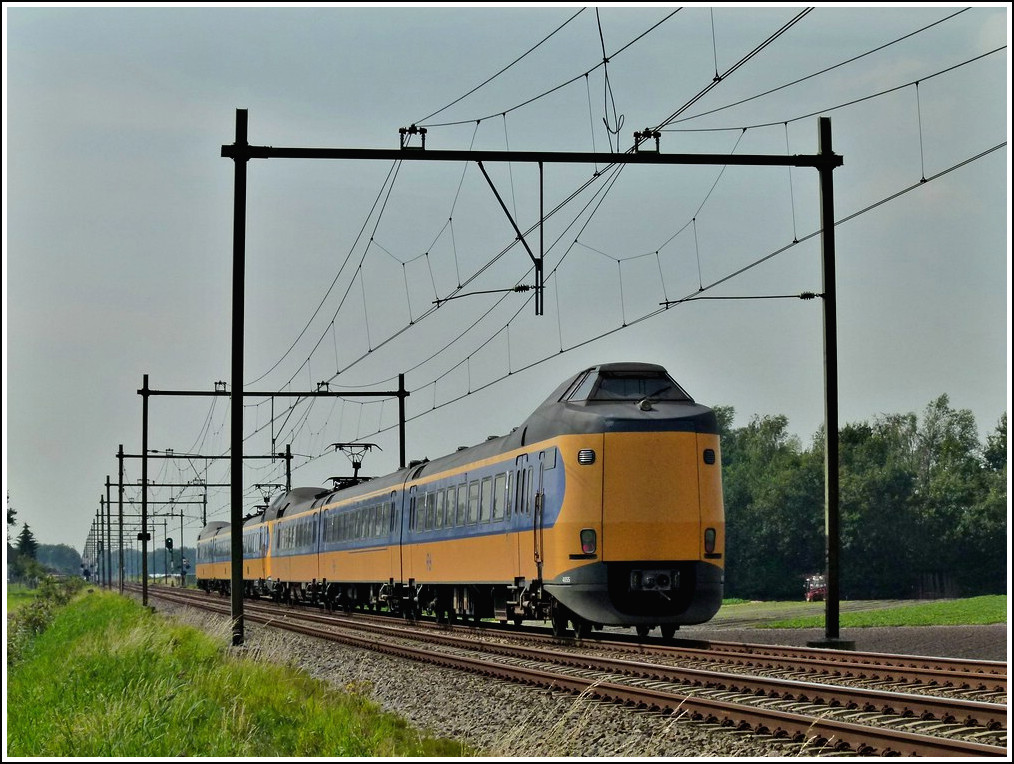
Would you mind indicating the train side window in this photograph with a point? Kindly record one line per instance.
(500, 496)
(486, 499)
(519, 494)
(528, 490)
(462, 513)
(570, 394)
(473, 502)
(449, 504)
(438, 510)
(429, 511)
(582, 391)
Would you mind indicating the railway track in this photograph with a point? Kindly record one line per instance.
(816, 700)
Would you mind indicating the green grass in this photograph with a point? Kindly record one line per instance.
(18, 595)
(963, 612)
(733, 601)
(109, 678)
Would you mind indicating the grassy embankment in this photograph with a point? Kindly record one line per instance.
(106, 677)
(962, 612)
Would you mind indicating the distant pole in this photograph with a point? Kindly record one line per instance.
(238, 306)
(109, 538)
(120, 510)
(183, 579)
(100, 578)
(143, 536)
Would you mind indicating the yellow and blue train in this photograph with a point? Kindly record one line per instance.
(603, 508)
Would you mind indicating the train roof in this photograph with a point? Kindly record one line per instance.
(604, 398)
(211, 529)
(599, 398)
(614, 397)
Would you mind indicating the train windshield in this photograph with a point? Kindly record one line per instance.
(627, 386)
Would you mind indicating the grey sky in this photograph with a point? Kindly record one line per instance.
(118, 224)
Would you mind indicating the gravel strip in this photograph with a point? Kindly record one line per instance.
(501, 719)
(494, 717)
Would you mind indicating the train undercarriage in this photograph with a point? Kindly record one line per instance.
(450, 603)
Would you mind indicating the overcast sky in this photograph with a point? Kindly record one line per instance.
(118, 225)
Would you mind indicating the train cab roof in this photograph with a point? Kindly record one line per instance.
(213, 528)
(292, 502)
(614, 397)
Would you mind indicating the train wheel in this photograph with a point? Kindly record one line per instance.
(642, 631)
(668, 631)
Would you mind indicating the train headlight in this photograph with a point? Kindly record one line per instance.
(709, 540)
(586, 456)
(589, 543)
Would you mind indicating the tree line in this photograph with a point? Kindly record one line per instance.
(922, 507)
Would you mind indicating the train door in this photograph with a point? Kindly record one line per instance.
(515, 524)
(409, 564)
(522, 520)
(392, 534)
(538, 514)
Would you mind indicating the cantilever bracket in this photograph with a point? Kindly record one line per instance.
(536, 260)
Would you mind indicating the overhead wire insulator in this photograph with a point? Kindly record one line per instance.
(405, 134)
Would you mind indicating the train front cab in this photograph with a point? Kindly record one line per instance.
(640, 538)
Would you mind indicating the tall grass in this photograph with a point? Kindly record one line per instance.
(108, 678)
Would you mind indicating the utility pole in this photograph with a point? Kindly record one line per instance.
(109, 539)
(119, 455)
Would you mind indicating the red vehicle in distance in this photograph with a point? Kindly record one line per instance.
(815, 588)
